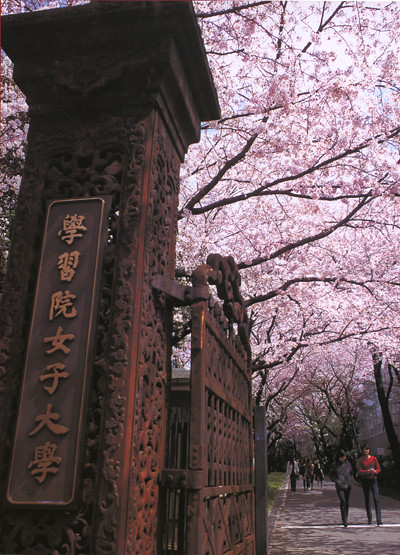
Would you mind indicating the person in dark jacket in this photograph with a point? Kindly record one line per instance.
(341, 473)
(302, 471)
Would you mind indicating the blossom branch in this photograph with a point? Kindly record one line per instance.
(306, 240)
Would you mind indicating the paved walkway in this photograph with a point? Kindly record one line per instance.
(310, 523)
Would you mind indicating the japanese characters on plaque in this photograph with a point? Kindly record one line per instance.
(51, 419)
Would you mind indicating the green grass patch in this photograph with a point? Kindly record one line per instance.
(275, 481)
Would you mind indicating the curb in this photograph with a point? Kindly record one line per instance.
(276, 507)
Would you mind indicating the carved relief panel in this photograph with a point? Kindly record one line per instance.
(126, 401)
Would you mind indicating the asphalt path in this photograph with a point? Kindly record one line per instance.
(310, 523)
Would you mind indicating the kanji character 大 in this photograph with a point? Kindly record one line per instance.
(48, 419)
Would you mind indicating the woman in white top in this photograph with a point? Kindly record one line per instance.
(292, 470)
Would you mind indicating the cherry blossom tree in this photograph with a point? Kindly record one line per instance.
(298, 180)
(333, 382)
(14, 124)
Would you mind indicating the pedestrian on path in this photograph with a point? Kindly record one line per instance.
(318, 473)
(368, 469)
(309, 472)
(303, 472)
(341, 473)
(292, 470)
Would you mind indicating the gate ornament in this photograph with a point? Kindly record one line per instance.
(224, 274)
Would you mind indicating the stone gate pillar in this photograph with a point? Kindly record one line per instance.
(116, 93)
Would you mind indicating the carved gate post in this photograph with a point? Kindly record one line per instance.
(116, 93)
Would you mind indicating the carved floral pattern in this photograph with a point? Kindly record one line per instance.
(80, 159)
(147, 456)
(84, 74)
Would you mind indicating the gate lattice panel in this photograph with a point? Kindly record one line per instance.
(216, 486)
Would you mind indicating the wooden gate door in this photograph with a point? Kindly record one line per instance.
(212, 512)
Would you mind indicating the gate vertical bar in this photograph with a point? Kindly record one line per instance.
(116, 93)
(261, 480)
(197, 435)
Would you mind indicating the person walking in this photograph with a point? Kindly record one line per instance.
(318, 473)
(292, 470)
(303, 472)
(368, 469)
(309, 474)
(341, 473)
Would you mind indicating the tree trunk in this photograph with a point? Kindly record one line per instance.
(384, 404)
